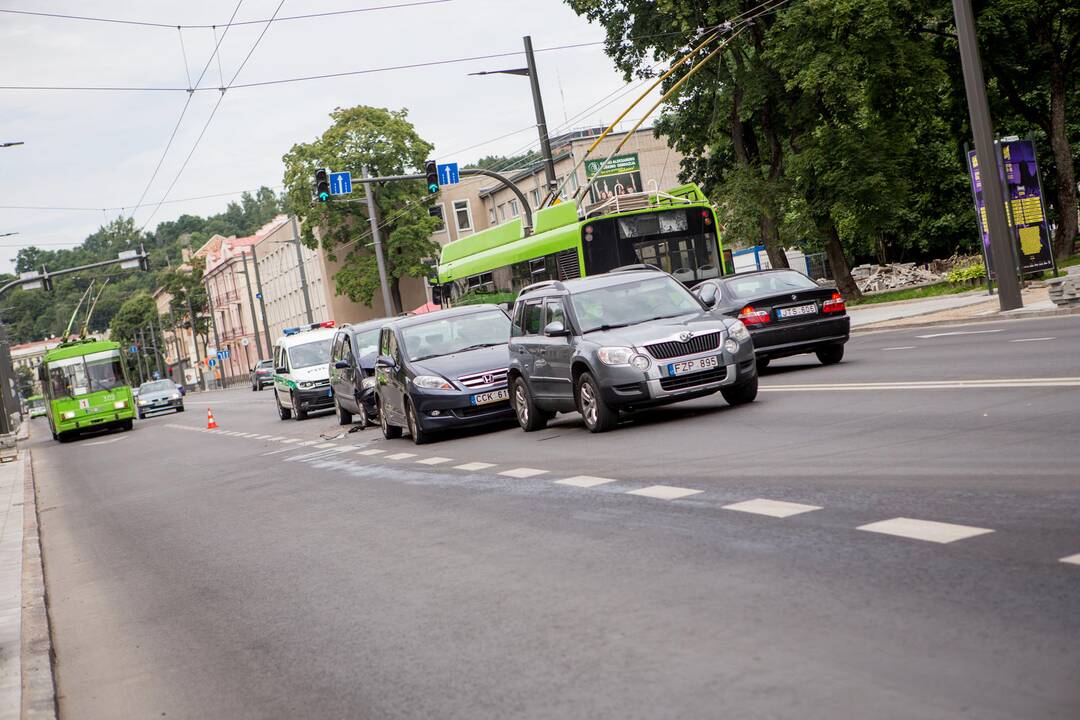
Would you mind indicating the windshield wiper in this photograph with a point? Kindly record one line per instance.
(477, 346)
(609, 327)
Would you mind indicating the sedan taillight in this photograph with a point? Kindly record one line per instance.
(750, 316)
(834, 304)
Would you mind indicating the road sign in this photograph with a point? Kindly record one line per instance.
(223, 355)
(134, 348)
(448, 174)
(211, 362)
(340, 183)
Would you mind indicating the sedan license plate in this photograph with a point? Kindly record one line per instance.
(787, 312)
(689, 366)
(490, 397)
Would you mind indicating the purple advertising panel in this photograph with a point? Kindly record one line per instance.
(1024, 209)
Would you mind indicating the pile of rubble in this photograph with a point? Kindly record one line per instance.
(872, 278)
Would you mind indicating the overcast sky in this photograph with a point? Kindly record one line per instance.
(99, 149)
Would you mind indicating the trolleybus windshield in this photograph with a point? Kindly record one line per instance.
(76, 376)
(680, 241)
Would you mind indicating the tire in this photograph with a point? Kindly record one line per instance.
(741, 394)
(390, 432)
(529, 417)
(418, 434)
(364, 420)
(180, 409)
(343, 416)
(762, 363)
(599, 416)
(141, 416)
(830, 354)
(126, 425)
(254, 387)
(298, 412)
(283, 412)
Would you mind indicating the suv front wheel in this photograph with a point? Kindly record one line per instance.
(599, 416)
(529, 417)
(741, 394)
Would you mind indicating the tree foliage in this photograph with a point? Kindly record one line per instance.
(386, 143)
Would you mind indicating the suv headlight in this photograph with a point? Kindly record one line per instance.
(738, 332)
(368, 383)
(431, 382)
(615, 355)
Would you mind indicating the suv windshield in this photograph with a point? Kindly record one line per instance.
(308, 354)
(631, 303)
(769, 283)
(456, 334)
(157, 386)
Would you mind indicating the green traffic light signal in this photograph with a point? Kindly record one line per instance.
(322, 185)
(323, 196)
(433, 188)
(431, 170)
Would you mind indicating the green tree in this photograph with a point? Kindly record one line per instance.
(131, 326)
(386, 143)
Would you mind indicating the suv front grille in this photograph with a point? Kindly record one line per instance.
(675, 348)
(484, 379)
(680, 382)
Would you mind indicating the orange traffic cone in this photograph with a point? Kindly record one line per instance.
(210, 423)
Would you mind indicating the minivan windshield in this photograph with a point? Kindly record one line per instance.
(456, 334)
(316, 352)
(367, 342)
(631, 303)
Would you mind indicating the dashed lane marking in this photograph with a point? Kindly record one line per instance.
(664, 492)
(261, 437)
(474, 466)
(927, 530)
(434, 461)
(308, 443)
(400, 456)
(959, 332)
(371, 451)
(523, 472)
(983, 384)
(584, 481)
(324, 446)
(289, 441)
(903, 347)
(1072, 559)
(106, 442)
(772, 508)
(1034, 339)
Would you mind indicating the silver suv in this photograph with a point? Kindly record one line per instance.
(628, 339)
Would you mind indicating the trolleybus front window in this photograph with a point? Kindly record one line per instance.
(67, 378)
(104, 371)
(680, 241)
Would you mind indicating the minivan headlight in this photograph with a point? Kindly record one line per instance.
(431, 382)
(738, 332)
(615, 355)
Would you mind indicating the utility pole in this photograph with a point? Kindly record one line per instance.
(262, 306)
(155, 348)
(217, 339)
(1002, 249)
(303, 273)
(251, 304)
(541, 120)
(376, 239)
(195, 339)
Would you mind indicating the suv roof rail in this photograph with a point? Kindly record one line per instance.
(540, 285)
(637, 266)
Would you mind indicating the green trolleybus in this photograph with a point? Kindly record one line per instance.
(675, 231)
(86, 387)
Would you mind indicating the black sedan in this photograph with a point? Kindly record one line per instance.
(786, 313)
(442, 370)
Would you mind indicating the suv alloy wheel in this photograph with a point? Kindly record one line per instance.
(599, 416)
(529, 417)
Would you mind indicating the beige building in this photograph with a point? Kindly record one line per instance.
(181, 352)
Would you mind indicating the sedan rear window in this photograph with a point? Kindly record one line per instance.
(768, 283)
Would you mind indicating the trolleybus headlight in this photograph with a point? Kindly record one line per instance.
(68, 415)
(120, 404)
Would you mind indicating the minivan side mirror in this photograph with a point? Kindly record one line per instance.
(385, 361)
(556, 329)
(341, 365)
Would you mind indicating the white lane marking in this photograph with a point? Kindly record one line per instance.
(523, 472)
(584, 481)
(434, 461)
(902, 347)
(927, 530)
(276, 438)
(664, 492)
(372, 451)
(1034, 339)
(772, 508)
(323, 446)
(959, 332)
(307, 443)
(1072, 559)
(933, 385)
(261, 437)
(275, 452)
(289, 441)
(106, 442)
(474, 466)
(400, 456)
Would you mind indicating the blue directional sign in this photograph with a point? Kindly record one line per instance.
(448, 174)
(134, 348)
(211, 362)
(340, 183)
(223, 354)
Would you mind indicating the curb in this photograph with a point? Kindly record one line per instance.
(38, 684)
(883, 326)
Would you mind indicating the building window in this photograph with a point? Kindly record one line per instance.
(462, 215)
(491, 215)
(514, 211)
(438, 211)
(536, 198)
(502, 211)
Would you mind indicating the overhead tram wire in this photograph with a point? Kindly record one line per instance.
(210, 119)
(145, 23)
(125, 207)
(187, 103)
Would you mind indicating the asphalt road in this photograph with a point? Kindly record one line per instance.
(241, 573)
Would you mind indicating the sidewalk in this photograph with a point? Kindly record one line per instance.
(872, 314)
(11, 541)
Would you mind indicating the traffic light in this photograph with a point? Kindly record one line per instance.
(432, 172)
(144, 259)
(322, 185)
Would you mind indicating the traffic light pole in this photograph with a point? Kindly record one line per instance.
(251, 303)
(1001, 243)
(262, 305)
(541, 120)
(376, 239)
(303, 273)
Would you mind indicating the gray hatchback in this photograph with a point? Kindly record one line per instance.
(628, 339)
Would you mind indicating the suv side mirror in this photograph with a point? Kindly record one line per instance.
(556, 329)
(384, 361)
(341, 365)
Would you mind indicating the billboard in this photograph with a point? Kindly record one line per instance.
(620, 176)
(1024, 207)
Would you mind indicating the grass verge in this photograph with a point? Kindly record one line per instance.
(943, 288)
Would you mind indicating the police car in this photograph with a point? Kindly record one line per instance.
(301, 370)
